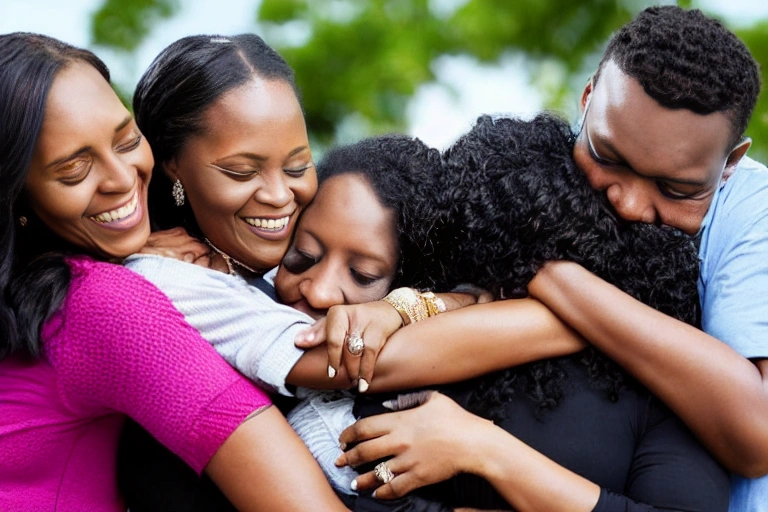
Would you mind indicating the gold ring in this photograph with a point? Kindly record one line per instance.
(383, 473)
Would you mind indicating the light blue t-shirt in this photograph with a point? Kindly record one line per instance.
(733, 285)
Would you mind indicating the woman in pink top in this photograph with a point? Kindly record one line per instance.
(85, 343)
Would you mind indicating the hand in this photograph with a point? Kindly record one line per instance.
(177, 244)
(375, 322)
(430, 443)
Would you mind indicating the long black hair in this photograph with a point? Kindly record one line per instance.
(174, 93)
(33, 275)
(403, 173)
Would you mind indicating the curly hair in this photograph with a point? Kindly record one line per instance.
(403, 173)
(684, 59)
(514, 199)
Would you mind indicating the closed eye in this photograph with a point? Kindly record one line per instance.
(236, 174)
(296, 261)
(297, 173)
(363, 279)
(131, 145)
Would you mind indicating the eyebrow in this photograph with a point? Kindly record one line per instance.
(125, 122)
(261, 158)
(622, 161)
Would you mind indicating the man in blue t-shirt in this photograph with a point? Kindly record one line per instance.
(663, 136)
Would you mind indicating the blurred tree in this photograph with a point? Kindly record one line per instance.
(361, 62)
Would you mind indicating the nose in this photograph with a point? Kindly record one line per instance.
(274, 189)
(631, 202)
(320, 287)
(117, 176)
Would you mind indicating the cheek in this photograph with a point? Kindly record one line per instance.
(304, 191)
(286, 286)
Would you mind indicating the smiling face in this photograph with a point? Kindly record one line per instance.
(250, 173)
(656, 165)
(89, 173)
(345, 250)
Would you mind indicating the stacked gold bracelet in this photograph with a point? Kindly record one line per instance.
(414, 306)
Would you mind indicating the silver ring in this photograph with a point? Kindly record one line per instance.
(355, 344)
(383, 473)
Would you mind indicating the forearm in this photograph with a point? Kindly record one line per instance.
(719, 394)
(263, 465)
(311, 371)
(470, 342)
(528, 480)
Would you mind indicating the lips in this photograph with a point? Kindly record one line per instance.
(123, 218)
(268, 224)
(273, 229)
(119, 213)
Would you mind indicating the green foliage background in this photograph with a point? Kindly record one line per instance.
(367, 58)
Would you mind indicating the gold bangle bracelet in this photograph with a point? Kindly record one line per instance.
(409, 304)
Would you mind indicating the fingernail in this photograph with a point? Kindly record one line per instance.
(310, 337)
(362, 386)
(338, 461)
(331, 371)
(189, 257)
(353, 485)
(343, 446)
(389, 404)
(374, 493)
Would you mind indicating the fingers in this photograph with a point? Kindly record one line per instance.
(313, 336)
(337, 326)
(402, 483)
(367, 428)
(175, 243)
(374, 341)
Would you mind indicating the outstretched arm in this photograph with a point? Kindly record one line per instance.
(720, 395)
(456, 346)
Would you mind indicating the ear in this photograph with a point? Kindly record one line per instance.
(171, 169)
(734, 157)
(587, 94)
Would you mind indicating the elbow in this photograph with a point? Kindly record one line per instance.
(751, 469)
(749, 465)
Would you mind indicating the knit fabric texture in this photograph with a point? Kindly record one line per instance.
(116, 348)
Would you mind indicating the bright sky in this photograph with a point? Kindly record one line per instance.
(438, 113)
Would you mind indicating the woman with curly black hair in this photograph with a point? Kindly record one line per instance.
(584, 436)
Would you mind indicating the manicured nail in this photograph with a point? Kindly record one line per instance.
(331, 372)
(189, 257)
(362, 386)
(353, 485)
(389, 404)
(374, 493)
(343, 446)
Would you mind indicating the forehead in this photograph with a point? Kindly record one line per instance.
(81, 106)
(260, 112)
(347, 214)
(652, 139)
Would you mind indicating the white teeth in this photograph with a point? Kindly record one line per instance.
(119, 213)
(273, 224)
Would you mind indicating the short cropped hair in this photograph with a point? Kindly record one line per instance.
(684, 59)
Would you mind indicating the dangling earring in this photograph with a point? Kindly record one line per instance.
(23, 221)
(178, 193)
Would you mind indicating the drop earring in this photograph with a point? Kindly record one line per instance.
(23, 221)
(178, 193)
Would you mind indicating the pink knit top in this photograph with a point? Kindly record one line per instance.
(116, 348)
